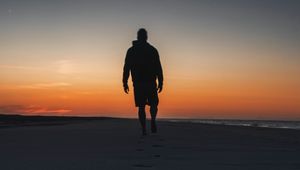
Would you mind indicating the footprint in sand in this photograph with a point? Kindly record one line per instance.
(157, 156)
(161, 140)
(139, 149)
(157, 145)
(141, 141)
(142, 166)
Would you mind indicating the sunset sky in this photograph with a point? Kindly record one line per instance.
(221, 59)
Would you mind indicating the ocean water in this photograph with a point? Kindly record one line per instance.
(252, 123)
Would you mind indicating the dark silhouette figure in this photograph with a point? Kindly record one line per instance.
(142, 61)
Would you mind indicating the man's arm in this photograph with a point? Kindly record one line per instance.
(126, 71)
(160, 76)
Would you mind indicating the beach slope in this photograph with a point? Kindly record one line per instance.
(118, 144)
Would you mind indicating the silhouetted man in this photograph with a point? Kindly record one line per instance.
(142, 61)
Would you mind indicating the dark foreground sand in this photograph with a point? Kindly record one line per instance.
(117, 144)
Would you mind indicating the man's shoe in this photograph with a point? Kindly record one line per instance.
(153, 127)
(144, 132)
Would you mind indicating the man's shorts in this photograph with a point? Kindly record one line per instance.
(145, 94)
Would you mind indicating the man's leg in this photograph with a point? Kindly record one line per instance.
(153, 112)
(142, 118)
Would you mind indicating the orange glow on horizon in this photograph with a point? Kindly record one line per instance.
(198, 99)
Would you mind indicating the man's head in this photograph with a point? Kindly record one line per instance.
(142, 34)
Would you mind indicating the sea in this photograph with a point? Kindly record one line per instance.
(252, 123)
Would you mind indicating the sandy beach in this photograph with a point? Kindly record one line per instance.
(118, 144)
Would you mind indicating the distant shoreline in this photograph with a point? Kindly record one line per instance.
(7, 120)
(276, 124)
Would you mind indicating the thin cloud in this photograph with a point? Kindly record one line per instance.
(65, 67)
(20, 67)
(10, 108)
(45, 85)
(31, 109)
